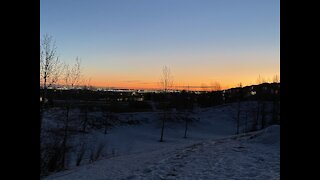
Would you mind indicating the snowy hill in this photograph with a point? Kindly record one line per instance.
(211, 151)
(251, 156)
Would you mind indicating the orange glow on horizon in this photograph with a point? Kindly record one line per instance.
(196, 77)
(194, 86)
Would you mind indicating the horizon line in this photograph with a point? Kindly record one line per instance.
(175, 88)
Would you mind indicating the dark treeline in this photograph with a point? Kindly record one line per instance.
(179, 100)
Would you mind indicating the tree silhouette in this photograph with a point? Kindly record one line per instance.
(166, 82)
(50, 72)
(71, 78)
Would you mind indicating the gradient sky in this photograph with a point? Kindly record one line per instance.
(125, 43)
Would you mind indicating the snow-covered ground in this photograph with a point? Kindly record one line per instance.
(211, 151)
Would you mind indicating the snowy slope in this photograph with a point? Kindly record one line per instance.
(211, 151)
(251, 156)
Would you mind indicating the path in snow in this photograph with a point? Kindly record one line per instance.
(218, 159)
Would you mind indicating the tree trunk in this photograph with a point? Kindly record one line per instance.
(274, 112)
(42, 106)
(263, 114)
(238, 118)
(246, 123)
(258, 114)
(163, 120)
(85, 122)
(65, 138)
(186, 129)
(105, 127)
(107, 116)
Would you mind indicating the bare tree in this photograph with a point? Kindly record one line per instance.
(166, 79)
(275, 111)
(260, 102)
(72, 75)
(50, 72)
(71, 78)
(263, 115)
(275, 79)
(50, 65)
(84, 113)
(85, 108)
(261, 80)
(187, 116)
(189, 106)
(239, 108)
(86, 83)
(246, 123)
(166, 82)
(107, 119)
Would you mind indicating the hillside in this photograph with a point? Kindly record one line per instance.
(211, 151)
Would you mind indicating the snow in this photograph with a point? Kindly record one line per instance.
(211, 151)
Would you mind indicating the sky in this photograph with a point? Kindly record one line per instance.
(126, 43)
